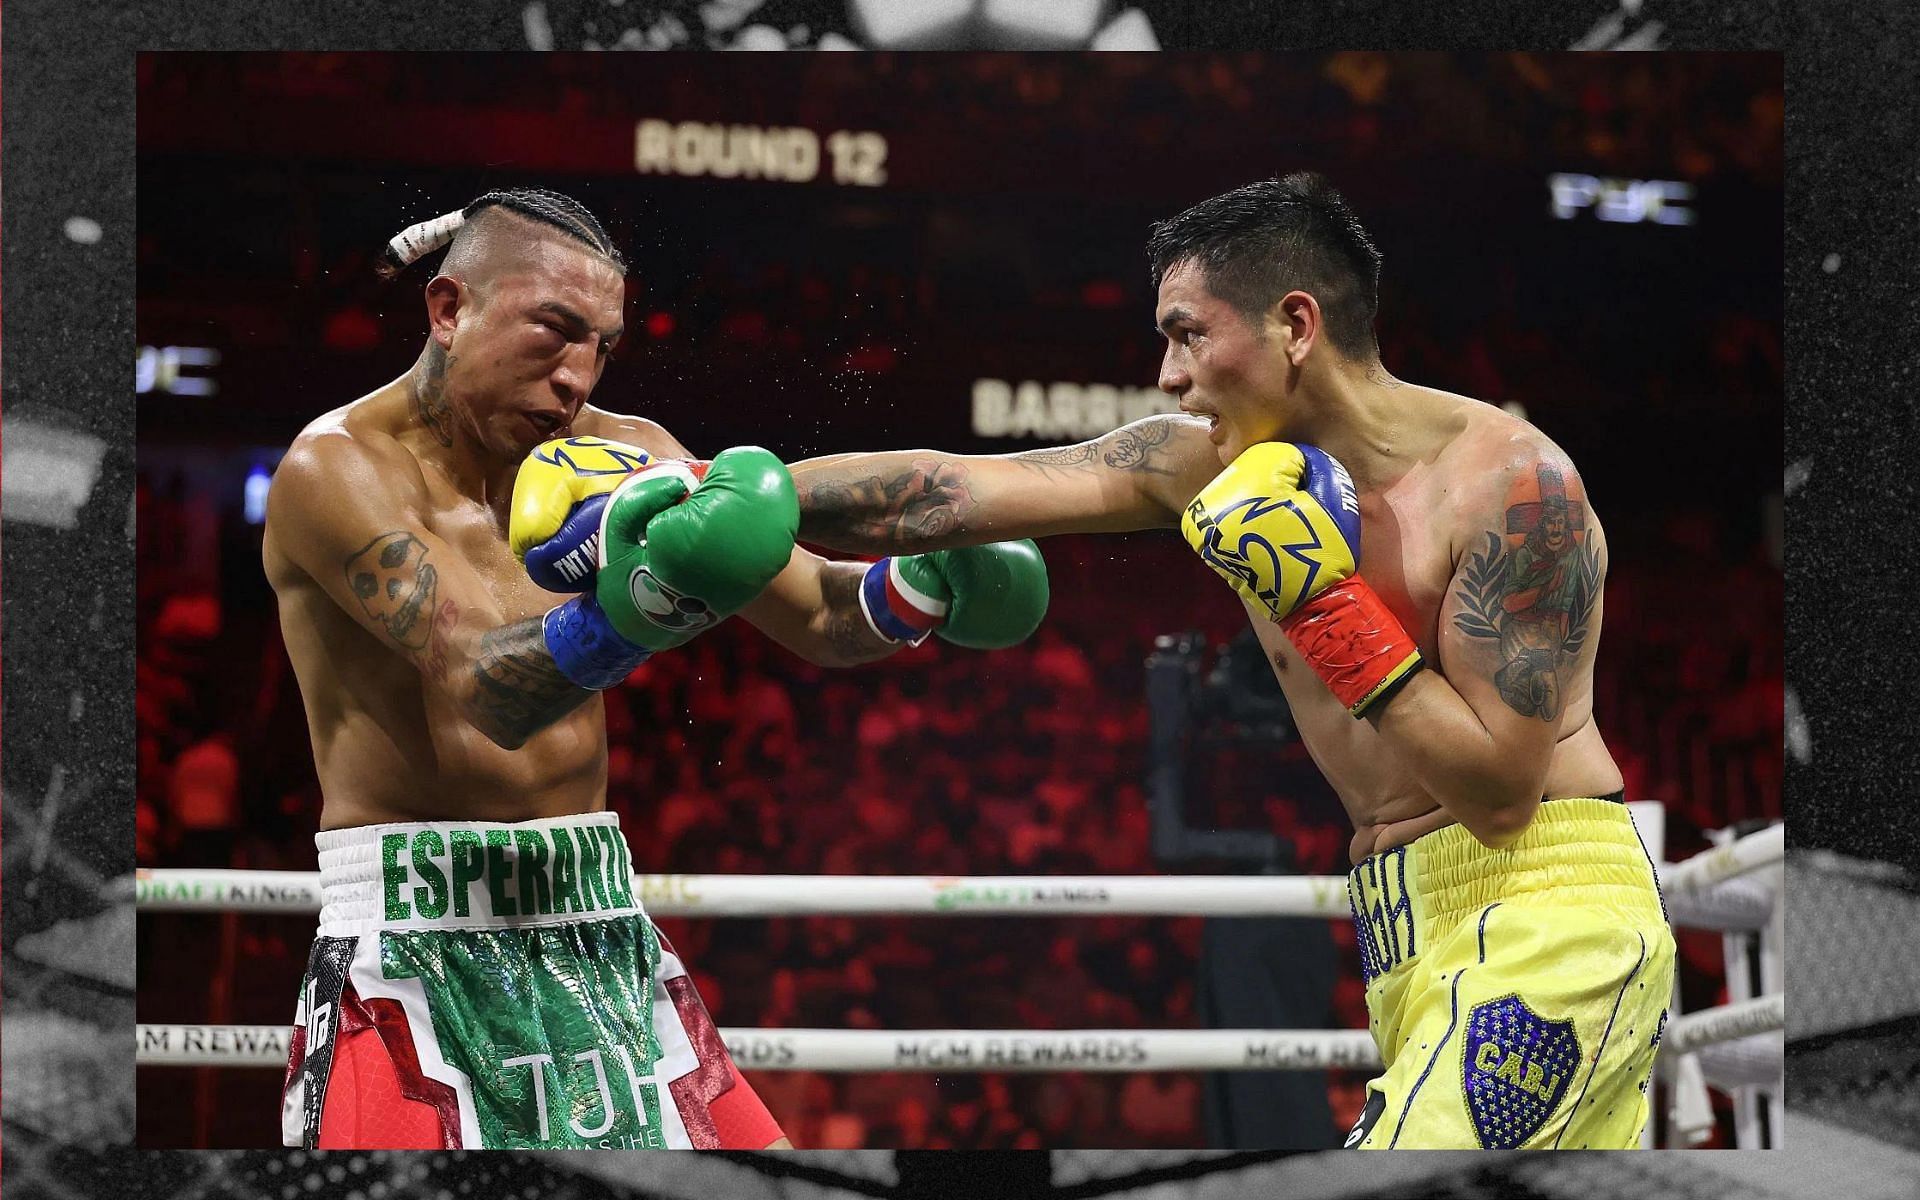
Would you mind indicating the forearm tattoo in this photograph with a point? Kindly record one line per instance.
(849, 635)
(1061, 456)
(517, 689)
(927, 504)
(1532, 590)
(430, 395)
(1141, 446)
(910, 509)
(396, 585)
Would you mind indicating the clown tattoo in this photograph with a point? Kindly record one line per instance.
(1533, 591)
(395, 584)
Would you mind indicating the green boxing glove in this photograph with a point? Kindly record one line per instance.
(981, 597)
(682, 547)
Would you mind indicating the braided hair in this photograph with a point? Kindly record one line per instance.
(559, 211)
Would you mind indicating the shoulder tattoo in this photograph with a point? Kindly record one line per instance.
(1531, 587)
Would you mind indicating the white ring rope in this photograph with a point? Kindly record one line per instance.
(976, 1050)
(1762, 1014)
(833, 895)
(1752, 1061)
(1734, 1046)
(1701, 872)
(1696, 891)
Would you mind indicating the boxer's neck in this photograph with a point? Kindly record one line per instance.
(1364, 417)
(443, 438)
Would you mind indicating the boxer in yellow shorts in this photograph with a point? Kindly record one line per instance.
(1427, 576)
(1518, 995)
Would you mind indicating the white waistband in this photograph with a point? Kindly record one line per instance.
(474, 874)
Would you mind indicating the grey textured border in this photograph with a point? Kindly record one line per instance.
(66, 148)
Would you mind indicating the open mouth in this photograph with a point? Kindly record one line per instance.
(1211, 418)
(545, 425)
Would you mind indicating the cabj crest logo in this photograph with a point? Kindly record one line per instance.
(1517, 1068)
(667, 607)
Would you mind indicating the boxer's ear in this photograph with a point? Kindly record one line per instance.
(445, 297)
(1297, 315)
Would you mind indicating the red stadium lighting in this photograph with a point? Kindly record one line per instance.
(659, 324)
(1103, 293)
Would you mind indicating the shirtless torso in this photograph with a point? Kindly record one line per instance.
(1418, 530)
(390, 745)
(1424, 505)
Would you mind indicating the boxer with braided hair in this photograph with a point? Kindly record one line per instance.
(560, 211)
(464, 558)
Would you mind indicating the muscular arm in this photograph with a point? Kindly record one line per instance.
(812, 607)
(1138, 477)
(1520, 623)
(347, 515)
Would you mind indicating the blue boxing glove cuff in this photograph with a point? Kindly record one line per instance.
(585, 646)
(888, 603)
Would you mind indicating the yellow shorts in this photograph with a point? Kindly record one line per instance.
(1518, 995)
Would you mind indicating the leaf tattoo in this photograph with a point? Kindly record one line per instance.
(1535, 596)
(1586, 584)
(1480, 593)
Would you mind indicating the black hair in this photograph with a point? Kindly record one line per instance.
(550, 208)
(1256, 243)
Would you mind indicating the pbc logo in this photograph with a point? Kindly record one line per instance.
(667, 607)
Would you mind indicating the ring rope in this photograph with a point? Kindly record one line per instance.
(1694, 889)
(985, 1050)
(1761, 848)
(1762, 1014)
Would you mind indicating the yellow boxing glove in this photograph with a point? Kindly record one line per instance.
(1282, 526)
(558, 497)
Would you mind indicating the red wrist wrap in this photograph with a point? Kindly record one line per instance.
(1354, 644)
